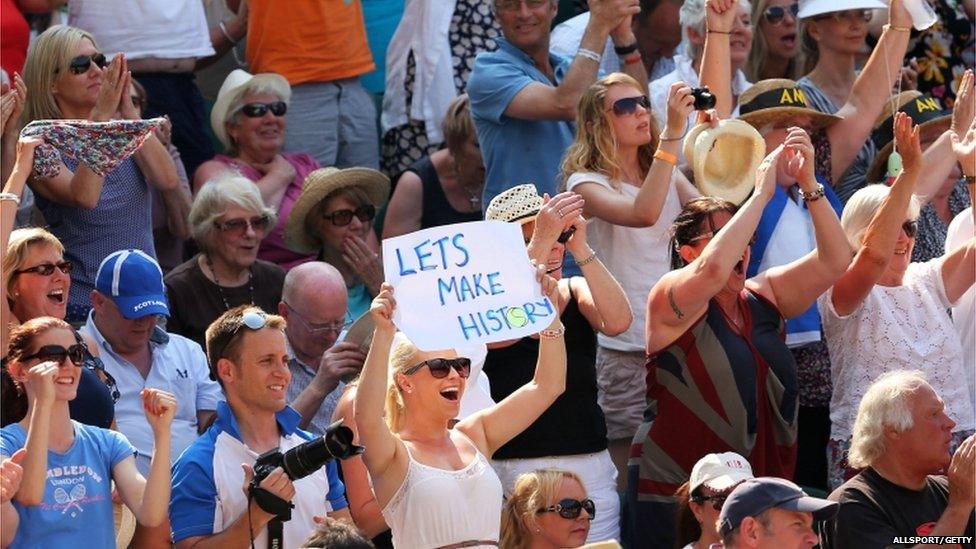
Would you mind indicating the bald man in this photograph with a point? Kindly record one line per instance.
(313, 301)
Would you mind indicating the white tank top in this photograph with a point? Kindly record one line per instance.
(437, 507)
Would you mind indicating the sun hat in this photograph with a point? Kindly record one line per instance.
(719, 472)
(134, 282)
(812, 8)
(320, 184)
(234, 85)
(756, 495)
(520, 204)
(725, 158)
(925, 111)
(774, 99)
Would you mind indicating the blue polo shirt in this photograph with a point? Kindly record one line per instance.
(515, 150)
(208, 479)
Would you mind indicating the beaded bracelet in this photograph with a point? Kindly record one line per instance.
(813, 195)
(894, 28)
(553, 334)
(589, 54)
(587, 261)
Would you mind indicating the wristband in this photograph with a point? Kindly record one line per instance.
(553, 334)
(10, 197)
(894, 28)
(624, 50)
(665, 156)
(589, 54)
(814, 195)
(633, 59)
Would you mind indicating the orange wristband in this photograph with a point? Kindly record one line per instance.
(666, 157)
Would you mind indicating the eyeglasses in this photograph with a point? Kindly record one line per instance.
(775, 14)
(57, 353)
(717, 501)
(514, 5)
(440, 367)
(316, 329)
(571, 508)
(341, 218)
(566, 235)
(257, 110)
(853, 16)
(47, 269)
(81, 64)
(238, 227)
(628, 105)
(910, 227)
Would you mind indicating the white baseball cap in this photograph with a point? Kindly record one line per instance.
(719, 472)
(812, 8)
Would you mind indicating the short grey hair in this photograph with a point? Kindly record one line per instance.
(885, 404)
(227, 189)
(860, 210)
(692, 16)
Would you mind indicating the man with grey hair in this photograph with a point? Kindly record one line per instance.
(901, 438)
(313, 301)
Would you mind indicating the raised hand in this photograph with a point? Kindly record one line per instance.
(610, 14)
(110, 93)
(11, 105)
(40, 382)
(898, 16)
(680, 104)
(556, 215)
(127, 108)
(962, 484)
(720, 14)
(10, 474)
(965, 105)
(907, 143)
(965, 149)
(799, 158)
(159, 407)
(364, 262)
(766, 174)
(577, 244)
(382, 309)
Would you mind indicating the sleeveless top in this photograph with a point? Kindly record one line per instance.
(439, 507)
(437, 209)
(736, 393)
(574, 424)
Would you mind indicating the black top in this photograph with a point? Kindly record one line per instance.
(437, 210)
(874, 511)
(574, 424)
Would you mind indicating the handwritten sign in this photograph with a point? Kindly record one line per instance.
(465, 283)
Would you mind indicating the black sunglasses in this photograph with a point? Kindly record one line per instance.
(571, 508)
(775, 14)
(717, 501)
(440, 367)
(341, 218)
(257, 110)
(57, 353)
(239, 226)
(628, 105)
(81, 64)
(47, 269)
(910, 228)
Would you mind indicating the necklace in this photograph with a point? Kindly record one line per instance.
(220, 289)
(474, 196)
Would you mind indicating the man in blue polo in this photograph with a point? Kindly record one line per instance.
(524, 99)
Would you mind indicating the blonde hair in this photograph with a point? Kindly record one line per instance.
(458, 126)
(809, 49)
(401, 356)
(212, 200)
(756, 63)
(594, 149)
(47, 58)
(863, 206)
(533, 491)
(18, 246)
(885, 404)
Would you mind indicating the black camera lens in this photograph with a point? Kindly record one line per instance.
(704, 99)
(308, 457)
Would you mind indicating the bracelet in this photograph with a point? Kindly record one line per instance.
(662, 138)
(894, 28)
(553, 334)
(710, 31)
(587, 261)
(223, 29)
(624, 50)
(10, 197)
(632, 59)
(813, 196)
(589, 54)
(666, 157)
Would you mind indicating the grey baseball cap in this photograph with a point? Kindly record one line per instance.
(756, 495)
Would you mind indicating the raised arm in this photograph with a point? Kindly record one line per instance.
(366, 512)
(10, 474)
(958, 274)
(149, 498)
(11, 106)
(939, 158)
(40, 391)
(601, 299)
(716, 63)
(14, 188)
(406, 207)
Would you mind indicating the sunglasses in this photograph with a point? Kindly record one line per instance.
(254, 320)
(514, 5)
(628, 105)
(571, 508)
(776, 14)
(440, 367)
(47, 269)
(316, 329)
(910, 228)
(341, 218)
(57, 353)
(81, 64)
(566, 235)
(257, 110)
(847, 15)
(238, 227)
(717, 501)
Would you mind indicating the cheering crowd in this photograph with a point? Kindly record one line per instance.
(754, 220)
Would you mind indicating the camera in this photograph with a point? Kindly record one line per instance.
(308, 457)
(704, 99)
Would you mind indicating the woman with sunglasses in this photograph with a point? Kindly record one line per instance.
(887, 313)
(228, 220)
(68, 78)
(548, 509)
(433, 482)
(248, 117)
(775, 47)
(65, 493)
(700, 499)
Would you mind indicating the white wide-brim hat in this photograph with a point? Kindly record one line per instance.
(813, 8)
(725, 158)
(236, 83)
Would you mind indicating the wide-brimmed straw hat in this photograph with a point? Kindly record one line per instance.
(725, 158)
(234, 85)
(320, 184)
(776, 99)
(926, 112)
(813, 8)
(520, 204)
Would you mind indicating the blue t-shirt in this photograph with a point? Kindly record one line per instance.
(77, 506)
(515, 150)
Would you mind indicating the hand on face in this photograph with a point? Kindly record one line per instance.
(159, 407)
(40, 382)
(114, 83)
(367, 264)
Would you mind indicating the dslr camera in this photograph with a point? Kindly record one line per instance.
(704, 99)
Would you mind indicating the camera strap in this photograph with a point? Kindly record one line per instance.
(276, 534)
(270, 503)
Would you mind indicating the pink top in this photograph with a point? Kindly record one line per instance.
(273, 247)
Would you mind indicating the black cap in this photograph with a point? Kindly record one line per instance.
(756, 495)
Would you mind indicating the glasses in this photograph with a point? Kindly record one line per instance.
(238, 227)
(717, 501)
(628, 105)
(910, 227)
(257, 110)
(47, 269)
(254, 320)
(57, 353)
(341, 218)
(81, 64)
(776, 14)
(316, 329)
(571, 508)
(514, 5)
(440, 367)
(853, 16)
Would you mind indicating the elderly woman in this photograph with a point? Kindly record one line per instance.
(700, 500)
(886, 313)
(333, 218)
(434, 483)
(774, 44)
(248, 117)
(228, 221)
(709, 322)
(445, 187)
(68, 78)
(548, 509)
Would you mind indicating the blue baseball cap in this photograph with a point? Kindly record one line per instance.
(134, 281)
(756, 495)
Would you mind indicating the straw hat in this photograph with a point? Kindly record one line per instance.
(812, 8)
(125, 525)
(725, 158)
(230, 91)
(926, 112)
(518, 204)
(775, 99)
(320, 184)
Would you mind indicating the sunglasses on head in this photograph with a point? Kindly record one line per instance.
(341, 218)
(775, 14)
(628, 105)
(717, 501)
(440, 367)
(910, 227)
(253, 320)
(240, 226)
(81, 64)
(571, 508)
(57, 353)
(47, 269)
(257, 110)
